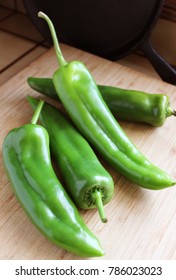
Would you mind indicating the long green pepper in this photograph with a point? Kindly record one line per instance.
(87, 181)
(125, 104)
(83, 102)
(27, 162)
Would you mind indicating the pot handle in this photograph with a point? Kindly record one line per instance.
(164, 69)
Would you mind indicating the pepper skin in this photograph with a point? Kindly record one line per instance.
(28, 166)
(137, 106)
(128, 105)
(83, 102)
(87, 181)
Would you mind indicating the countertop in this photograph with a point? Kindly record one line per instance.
(141, 223)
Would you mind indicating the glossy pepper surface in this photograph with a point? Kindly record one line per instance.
(87, 181)
(83, 102)
(138, 106)
(28, 166)
(125, 104)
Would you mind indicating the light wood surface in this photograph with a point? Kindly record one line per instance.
(141, 223)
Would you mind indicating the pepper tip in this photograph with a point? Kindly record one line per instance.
(104, 220)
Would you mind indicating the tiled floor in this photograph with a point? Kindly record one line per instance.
(4, 13)
(18, 45)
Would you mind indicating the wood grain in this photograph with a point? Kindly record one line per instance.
(141, 223)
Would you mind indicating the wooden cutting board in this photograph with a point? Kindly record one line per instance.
(141, 223)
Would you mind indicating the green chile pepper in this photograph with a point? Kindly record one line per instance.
(87, 181)
(28, 166)
(128, 105)
(83, 102)
(137, 106)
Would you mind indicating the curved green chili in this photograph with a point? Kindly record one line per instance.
(87, 181)
(83, 102)
(125, 104)
(28, 166)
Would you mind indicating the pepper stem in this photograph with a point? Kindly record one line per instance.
(37, 112)
(98, 200)
(174, 113)
(59, 55)
(170, 112)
